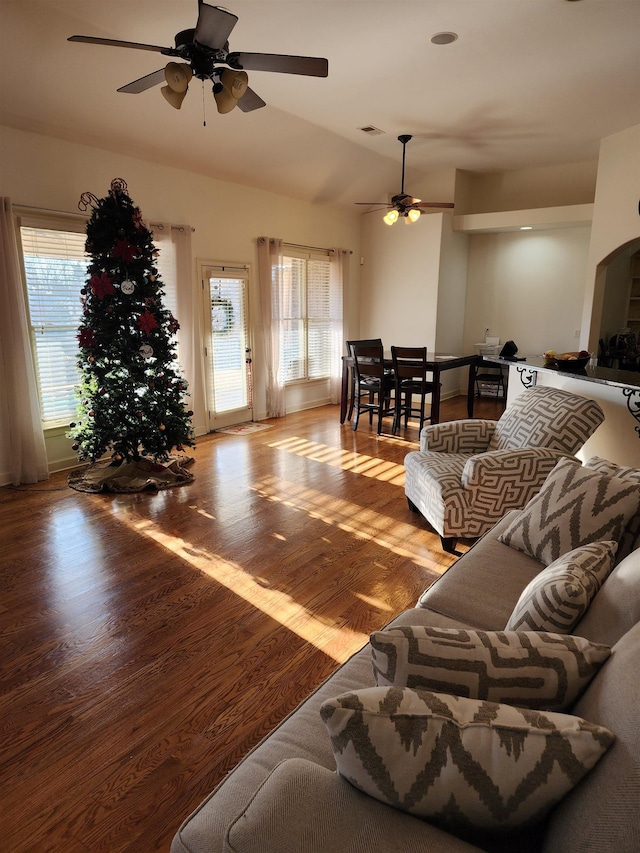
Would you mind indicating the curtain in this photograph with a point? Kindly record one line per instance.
(339, 285)
(22, 447)
(174, 263)
(270, 284)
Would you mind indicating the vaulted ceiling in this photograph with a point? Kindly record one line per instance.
(526, 83)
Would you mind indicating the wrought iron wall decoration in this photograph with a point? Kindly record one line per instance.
(633, 404)
(528, 377)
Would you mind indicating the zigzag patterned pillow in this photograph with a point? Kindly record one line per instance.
(530, 669)
(575, 506)
(631, 536)
(558, 597)
(462, 763)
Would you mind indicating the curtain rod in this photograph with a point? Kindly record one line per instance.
(19, 207)
(160, 226)
(312, 248)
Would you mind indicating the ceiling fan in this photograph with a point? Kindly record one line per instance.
(204, 51)
(403, 204)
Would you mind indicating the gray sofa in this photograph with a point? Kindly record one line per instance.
(286, 795)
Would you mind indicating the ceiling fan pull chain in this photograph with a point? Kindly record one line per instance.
(204, 108)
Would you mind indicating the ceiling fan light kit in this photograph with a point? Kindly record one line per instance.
(205, 54)
(402, 204)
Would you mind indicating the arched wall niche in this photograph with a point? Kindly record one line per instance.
(613, 280)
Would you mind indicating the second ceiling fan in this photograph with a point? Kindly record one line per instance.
(403, 204)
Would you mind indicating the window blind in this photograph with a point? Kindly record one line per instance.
(55, 265)
(306, 327)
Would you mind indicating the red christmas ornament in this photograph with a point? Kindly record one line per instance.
(85, 337)
(147, 322)
(101, 285)
(125, 250)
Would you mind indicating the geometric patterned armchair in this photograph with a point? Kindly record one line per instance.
(469, 473)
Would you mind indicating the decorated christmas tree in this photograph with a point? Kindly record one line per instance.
(131, 395)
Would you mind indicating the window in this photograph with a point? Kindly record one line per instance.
(55, 266)
(306, 328)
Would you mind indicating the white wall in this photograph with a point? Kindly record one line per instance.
(50, 173)
(527, 286)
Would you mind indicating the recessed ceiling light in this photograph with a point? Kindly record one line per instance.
(526, 227)
(443, 38)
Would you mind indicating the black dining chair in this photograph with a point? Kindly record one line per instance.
(410, 377)
(365, 342)
(373, 383)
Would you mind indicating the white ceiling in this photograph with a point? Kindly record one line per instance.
(527, 83)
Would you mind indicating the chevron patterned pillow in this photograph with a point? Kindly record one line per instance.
(462, 763)
(575, 506)
(631, 536)
(530, 669)
(559, 596)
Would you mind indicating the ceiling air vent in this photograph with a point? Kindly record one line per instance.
(371, 130)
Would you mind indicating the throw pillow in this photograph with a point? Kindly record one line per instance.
(631, 535)
(575, 506)
(463, 763)
(560, 595)
(530, 669)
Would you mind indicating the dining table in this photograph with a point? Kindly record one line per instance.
(437, 363)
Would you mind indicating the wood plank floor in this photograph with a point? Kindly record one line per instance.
(149, 640)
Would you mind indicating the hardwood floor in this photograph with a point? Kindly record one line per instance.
(149, 640)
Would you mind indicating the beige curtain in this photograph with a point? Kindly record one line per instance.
(175, 266)
(22, 449)
(338, 283)
(270, 283)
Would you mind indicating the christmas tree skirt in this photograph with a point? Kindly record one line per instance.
(136, 476)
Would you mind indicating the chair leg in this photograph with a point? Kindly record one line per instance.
(449, 545)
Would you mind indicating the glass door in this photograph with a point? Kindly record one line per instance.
(227, 345)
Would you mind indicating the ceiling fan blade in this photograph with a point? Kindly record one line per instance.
(311, 66)
(214, 26)
(116, 43)
(144, 83)
(433, 204)
(250, 101)
(380, 204)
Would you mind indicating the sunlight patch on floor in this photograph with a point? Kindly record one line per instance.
(346, 460)
(360, 521)
(335, 641)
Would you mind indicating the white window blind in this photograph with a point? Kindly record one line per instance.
(55, 266)
(306, 329)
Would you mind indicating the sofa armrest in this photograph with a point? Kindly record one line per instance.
(302, 806)
(510, 471)
(469, 436)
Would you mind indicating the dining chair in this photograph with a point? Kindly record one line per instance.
(373, 383)
(365, 342)
(492, 377)
(410, 378)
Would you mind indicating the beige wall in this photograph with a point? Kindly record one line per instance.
(51, 173)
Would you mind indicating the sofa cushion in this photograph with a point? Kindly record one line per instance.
(575, 506)
(530, 669)
(304, 808)
(460, 762)
(602, 815)
(631, 536)
(561, 594)
(467, 591)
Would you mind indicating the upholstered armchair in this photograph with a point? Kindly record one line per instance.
(468, 474)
